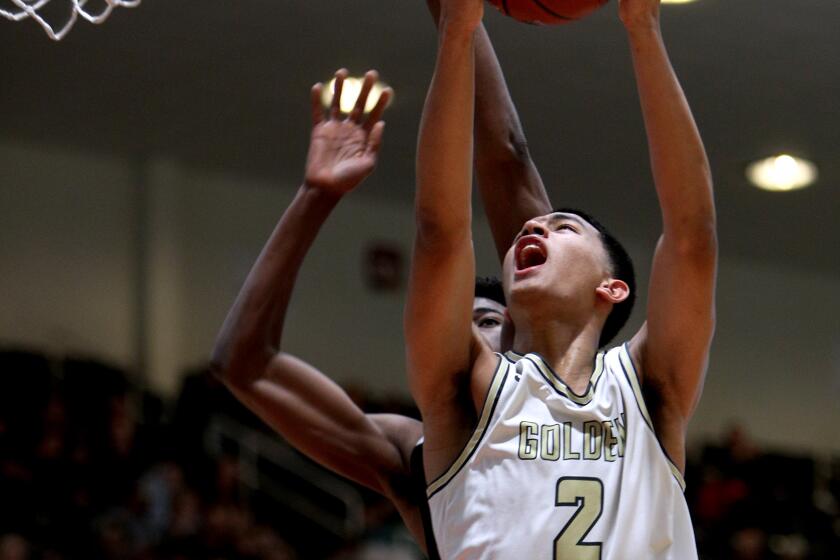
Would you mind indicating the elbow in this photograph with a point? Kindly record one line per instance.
(703, 242)
(233, 376)
(220, 363)
(435, 229)
(512, 151)
(233, 367)
(696, 239)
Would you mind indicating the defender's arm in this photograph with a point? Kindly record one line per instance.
(298, 401)
(509, 183)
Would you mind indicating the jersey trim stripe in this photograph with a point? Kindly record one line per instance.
(559, 385)
(633, 378)
(417, 480)
(490, 401)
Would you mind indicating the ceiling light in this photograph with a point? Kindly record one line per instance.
(677, 1)
(782, 173)
(350, 92)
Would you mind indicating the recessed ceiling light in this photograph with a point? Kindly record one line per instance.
(782, 173)
(350, 92)
(677, 1)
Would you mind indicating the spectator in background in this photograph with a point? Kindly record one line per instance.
(14, 547)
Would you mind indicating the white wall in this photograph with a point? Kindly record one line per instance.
(776, 357)
(68, 284)
(208, 229)
(66, 247)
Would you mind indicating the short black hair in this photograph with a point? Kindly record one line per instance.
(622, 269)
(490, 287)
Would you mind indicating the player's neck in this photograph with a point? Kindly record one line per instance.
(567, 347)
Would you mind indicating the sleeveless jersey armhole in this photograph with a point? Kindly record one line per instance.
(632, 376)
(499, 378)
(418, 483)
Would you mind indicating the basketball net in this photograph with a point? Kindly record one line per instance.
(31, 9)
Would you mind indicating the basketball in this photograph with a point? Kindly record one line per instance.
(547, 12)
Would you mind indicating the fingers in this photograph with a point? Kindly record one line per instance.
(374, 141)
(371, 77)
(315, 97)
(357, 114)
(335, 108)
(381, 104)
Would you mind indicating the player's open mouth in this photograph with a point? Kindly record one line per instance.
(529, 253)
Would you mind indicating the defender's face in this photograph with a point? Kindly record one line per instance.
(556, 255)
(489, 316)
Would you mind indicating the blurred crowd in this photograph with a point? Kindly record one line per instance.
(92, 467)
(748, 503)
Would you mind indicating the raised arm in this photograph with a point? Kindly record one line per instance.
(673, 345)
(441, 347)
(509, 183)
(314, 414)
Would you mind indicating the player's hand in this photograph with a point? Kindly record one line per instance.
(343, 151)
(465, 14)
(639, 14)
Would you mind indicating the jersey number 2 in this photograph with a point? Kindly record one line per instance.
(587, 495)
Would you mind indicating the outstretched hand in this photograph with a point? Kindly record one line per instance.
(342, 152)
(639, 14)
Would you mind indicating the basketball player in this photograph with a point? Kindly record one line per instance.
(559, 450)
(298, 401)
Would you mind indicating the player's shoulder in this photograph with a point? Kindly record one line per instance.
(622, 356)
(620, 363)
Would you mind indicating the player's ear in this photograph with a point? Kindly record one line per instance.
(613, 290)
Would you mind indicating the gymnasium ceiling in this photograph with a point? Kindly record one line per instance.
(225, 84)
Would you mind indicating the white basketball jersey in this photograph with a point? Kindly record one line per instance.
(551, 475)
